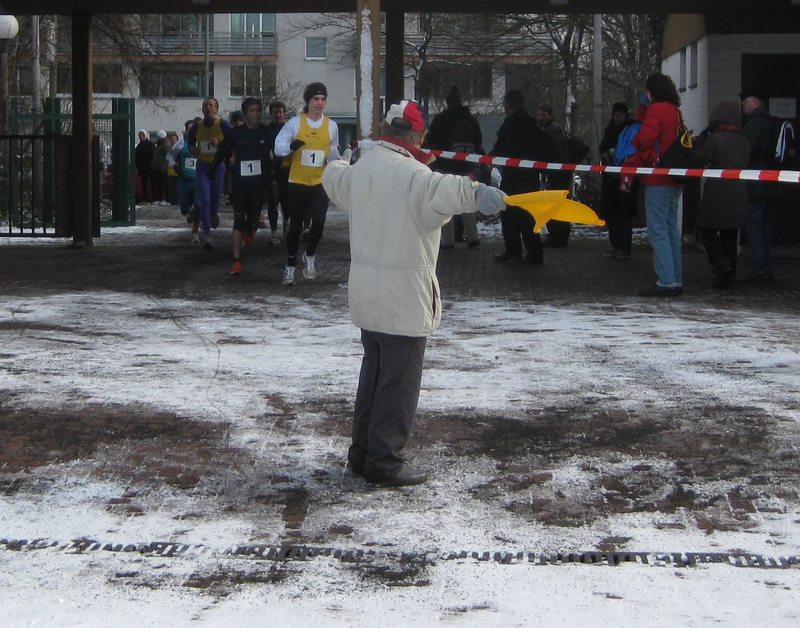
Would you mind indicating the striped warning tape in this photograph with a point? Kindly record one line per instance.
(780, 176)
(305, 553)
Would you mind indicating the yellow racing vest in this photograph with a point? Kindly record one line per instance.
(205, 151)
(308, 161)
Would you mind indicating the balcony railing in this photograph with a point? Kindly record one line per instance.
(219, 43)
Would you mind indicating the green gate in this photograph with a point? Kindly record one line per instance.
(34, 194)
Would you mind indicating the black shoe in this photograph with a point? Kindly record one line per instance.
(660, 291)
(406, 477)
(473, 244)
(726, 279)
(355, 468)
(534, 260)
(507, 257)
(755, 279)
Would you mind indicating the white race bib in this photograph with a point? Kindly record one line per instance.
(207, 148)
(250, 168)
(312, 158)
(190, 163)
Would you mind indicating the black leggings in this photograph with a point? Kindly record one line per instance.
(247, 204)
(304, 198)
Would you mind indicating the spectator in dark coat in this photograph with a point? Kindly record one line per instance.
(762, 196)
(456, 129)
(143, 156)
(617, 207)
(723, 207)
(557, 230)
(519, 136)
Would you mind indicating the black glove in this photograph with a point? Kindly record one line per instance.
(296, 144)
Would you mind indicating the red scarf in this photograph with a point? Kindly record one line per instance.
(422, 156)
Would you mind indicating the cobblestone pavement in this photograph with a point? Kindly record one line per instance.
(161, 260)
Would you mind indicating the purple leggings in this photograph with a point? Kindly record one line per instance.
(209, 191)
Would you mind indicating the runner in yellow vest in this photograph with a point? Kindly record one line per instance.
(308, 138)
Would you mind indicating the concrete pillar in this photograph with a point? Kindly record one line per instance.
(368, 67)
(82, 129)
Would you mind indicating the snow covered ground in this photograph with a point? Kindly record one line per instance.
(639, 427)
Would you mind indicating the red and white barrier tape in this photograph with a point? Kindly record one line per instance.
(781, 176)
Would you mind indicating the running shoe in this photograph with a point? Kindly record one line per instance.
(195, 238)
(236, 267)
(288, 276)
(309, 272)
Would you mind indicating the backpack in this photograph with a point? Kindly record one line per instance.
(577, 149)
(785, 140)
(463, 137)
(625, 146)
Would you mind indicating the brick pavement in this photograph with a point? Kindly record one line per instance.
(158, 258)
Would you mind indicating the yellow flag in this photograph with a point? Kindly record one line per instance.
(553, 205)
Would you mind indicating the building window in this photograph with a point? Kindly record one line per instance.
(180, 25)
(107, 79)
(682, 72)
(474, 81)
(174, 80)
(693, 65)
(254, 24)
(316, 48)
(258, 81)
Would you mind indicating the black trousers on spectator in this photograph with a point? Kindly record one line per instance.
(517, 225)
(388, 392)
(721, 247)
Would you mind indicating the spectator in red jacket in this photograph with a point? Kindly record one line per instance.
(661, 119)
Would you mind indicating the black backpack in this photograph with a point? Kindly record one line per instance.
(463, 137)
(784, 141)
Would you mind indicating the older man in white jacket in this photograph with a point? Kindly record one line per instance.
(397, 207)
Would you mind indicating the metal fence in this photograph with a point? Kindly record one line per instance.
(35, 170)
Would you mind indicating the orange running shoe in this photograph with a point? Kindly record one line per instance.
(236, 267)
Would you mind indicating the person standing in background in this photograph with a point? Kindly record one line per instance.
(616, 206)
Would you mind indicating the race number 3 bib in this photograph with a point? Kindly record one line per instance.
(312, 158)
(208, 148)
(190, 163)
(250, 168)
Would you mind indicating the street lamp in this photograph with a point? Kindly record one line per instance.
(9, 27)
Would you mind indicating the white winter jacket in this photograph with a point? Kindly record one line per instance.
(397, 207)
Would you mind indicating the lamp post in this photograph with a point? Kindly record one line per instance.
(9, 27)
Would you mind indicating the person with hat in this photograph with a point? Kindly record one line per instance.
(762, 196)
(159, 168)
(397, 207)
(308, 138)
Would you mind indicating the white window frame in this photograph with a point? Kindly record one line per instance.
(310, 58)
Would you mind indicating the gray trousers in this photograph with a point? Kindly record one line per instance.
(388, 392)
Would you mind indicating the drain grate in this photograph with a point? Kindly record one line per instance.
(303, 553)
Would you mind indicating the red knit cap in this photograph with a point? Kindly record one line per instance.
(406, 115)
